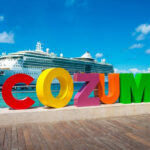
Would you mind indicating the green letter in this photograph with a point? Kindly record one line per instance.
(134, 89)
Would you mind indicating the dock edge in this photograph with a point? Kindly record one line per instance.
(69, 113)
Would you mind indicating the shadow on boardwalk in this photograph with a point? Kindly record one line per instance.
(112, 133)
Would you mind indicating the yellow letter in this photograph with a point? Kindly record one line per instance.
(43, 87)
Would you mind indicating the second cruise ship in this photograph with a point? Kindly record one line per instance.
(33, 62)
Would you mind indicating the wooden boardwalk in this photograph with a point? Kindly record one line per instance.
(109, 134)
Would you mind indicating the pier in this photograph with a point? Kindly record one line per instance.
(108, 127)
(132, 132)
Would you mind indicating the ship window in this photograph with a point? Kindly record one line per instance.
(87, 68)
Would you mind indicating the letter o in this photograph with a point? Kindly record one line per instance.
(43, 87)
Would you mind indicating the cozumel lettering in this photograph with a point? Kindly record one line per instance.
(125, 87)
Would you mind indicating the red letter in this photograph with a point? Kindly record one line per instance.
(7, 94)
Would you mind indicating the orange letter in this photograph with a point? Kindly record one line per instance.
(113, 88)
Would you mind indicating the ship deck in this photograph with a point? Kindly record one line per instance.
(132, 132)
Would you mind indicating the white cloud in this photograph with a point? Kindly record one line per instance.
(120, 70)
(147, 51)
(115, 70)
(140, 37)
(99, 55)
(1, 18)
(138, 45)
(148, 69)
(6, 37)
(132, 70)
(143, 30)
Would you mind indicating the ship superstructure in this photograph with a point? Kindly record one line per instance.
(33, 62)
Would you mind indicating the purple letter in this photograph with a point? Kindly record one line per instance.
(81, 98)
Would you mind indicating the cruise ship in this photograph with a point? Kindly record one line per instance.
(33, 62)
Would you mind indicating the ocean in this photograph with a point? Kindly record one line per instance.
(22, 93)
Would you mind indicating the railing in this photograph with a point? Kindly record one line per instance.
(32, 94)
(28, 91)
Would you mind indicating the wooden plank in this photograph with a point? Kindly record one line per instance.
(104, 135)
(55, 137)
(61, 135)
(112, 133)
(14, 145)
(45, 136)
(21, 140)
(37, 135)
(28, 141)
(122, 137)
(8, 138)
(2, 136)
(34, 139)
(138, 139)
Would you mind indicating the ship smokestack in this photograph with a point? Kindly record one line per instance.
(38, 46)
(47, 50)
(61, 55)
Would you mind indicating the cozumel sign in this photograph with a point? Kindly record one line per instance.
(125, 86)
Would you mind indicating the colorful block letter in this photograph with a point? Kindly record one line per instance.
(134, 89)
(43, 87)
(7, 89)
(113, 88)
(81, 98)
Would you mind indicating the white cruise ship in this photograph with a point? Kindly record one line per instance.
(33, 62)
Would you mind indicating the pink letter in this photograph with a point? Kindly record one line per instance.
(81, 98)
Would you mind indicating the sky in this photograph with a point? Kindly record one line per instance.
(115, 30)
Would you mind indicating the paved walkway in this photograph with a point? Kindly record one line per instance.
(109, 134)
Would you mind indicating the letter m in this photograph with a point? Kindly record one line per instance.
(134, 89)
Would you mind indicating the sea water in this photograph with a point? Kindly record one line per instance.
(23, 93)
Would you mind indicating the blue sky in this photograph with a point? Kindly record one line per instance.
(116, 30)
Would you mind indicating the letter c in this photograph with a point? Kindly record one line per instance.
(7, 91)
